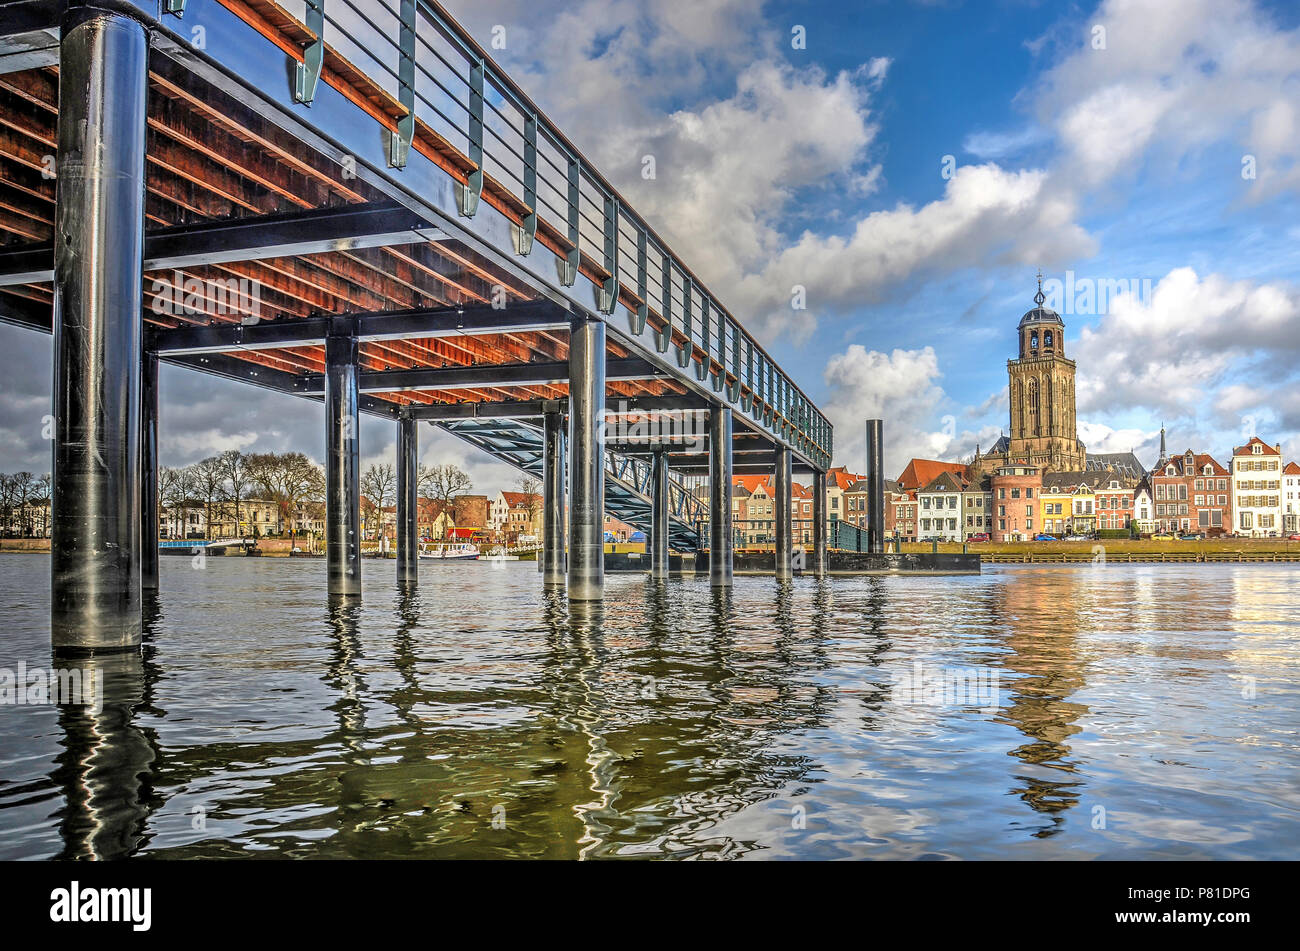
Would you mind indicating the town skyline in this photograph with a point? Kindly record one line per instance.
(940, 209)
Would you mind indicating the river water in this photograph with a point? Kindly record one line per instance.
(1064, 711)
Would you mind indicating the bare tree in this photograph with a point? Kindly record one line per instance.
(289, 479)
(7, 492)
(168, 505)
(378, 485)
(530, 488)
(44, 491)
(444, 483)
(233, 466)
(209, 488)
(24, 484)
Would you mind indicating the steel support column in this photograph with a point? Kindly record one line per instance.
(551, 559)
(408, 479)
(586, 460)
(659, 515)
(98, 287)
(342, 466)
(149, 472)
(819, 524)
(720, 497)
(781, 513)
(876, 485)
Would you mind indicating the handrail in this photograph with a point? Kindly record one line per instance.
(506, 136)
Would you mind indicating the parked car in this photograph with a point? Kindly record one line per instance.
(984, 536)
(1162, 537)
(1191, 536)
(1045, 538)
(1293, 537)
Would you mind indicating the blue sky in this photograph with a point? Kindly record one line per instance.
(824, 167)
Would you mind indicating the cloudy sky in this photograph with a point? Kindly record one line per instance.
(911, 165)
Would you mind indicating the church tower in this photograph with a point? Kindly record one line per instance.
(1042, 394)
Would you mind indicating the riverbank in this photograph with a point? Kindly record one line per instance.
(1124, 550)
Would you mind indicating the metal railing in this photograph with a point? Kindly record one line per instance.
(845, 536)
(445, 82)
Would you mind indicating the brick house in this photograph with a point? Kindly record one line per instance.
(1190, 494)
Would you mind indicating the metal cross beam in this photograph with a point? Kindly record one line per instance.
(509, 409)
(375, 225)
(388, 325)
(476, 377)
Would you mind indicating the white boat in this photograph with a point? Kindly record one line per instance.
(499, 554)
(463, 551)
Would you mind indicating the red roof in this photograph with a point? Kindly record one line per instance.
(841, 477)
(921, 472)
(1199, 461)
(1292, 469)
(752, 482)
(1247, 451)
(516, 499)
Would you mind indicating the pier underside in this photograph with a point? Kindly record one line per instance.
(416, 215)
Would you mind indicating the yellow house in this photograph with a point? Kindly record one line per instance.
(1054, 510)
(1069, 504)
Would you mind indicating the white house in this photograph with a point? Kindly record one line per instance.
(1257, 488)
(940, 511)
(1291, 498)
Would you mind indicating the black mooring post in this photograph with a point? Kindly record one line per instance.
(875, 485)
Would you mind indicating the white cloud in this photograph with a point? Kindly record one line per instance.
(1169, 352)
(1173, 79)
(899, 387)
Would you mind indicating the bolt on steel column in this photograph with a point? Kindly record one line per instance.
(342, 466)
(659, 515)
(586, 460)
(552, 554)
(784, 552)
(819, 524)
(720, 496)
(408, 477)
(95, 584)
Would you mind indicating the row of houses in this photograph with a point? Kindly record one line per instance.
(1255, 495)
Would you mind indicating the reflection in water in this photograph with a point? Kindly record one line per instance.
(104, 767)
(477, 716)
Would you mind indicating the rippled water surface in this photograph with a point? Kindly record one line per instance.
(1122, 711)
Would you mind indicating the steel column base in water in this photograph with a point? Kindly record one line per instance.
(586, 460)
(408, 478)
(781, 514)
(659, 515)
(95, 583)
(342, 466)
(720, 561)
(551, 558)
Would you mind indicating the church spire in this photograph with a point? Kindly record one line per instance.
(1039, 298)
(1164, 456)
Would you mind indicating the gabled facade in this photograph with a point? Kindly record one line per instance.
(1190, 493)
(1257, 489)
(940, 508)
